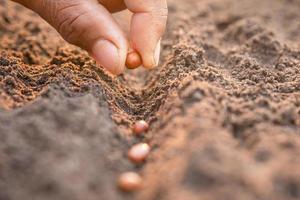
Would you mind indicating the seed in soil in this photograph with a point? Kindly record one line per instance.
(139, 152)
(129, 181)
(133, 60)
(140, 127)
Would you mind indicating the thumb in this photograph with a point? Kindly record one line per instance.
(87, 24)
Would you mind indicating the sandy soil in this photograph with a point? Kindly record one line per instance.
(223, 108)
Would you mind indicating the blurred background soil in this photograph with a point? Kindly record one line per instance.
(223, 108)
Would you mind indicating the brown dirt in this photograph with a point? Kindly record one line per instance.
(223, 107)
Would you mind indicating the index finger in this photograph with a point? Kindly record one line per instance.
(147, 27)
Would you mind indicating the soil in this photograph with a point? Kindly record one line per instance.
(223, 108)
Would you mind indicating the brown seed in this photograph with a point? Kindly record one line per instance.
(133, 60)
(139, 152)
(140, 127)
(129, 181)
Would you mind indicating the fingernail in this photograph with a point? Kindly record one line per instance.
(157, 53)
(106, 54)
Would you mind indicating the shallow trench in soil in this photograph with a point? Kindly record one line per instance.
(223, 108)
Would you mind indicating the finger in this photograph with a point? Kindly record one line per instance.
(147, 26)
(90, 26)
(123, 19)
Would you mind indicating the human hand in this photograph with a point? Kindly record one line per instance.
(90, 25)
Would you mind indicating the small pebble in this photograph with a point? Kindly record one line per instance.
(130, 181)
(139, 152)
(133, 60)
(140, 127)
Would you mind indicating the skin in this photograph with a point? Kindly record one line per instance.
(89, 24)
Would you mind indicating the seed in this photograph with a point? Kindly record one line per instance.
(133, 60)
(129, 181)
(139, 127)
(139, 152)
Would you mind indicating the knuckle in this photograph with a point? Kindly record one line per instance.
(55, 9)
(68, 20)
(71, 27)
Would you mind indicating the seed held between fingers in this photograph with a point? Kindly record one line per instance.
(140, 127)
(133, 60)
(139, 152)
(129, 181)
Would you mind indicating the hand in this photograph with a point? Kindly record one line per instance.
(90, 25)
